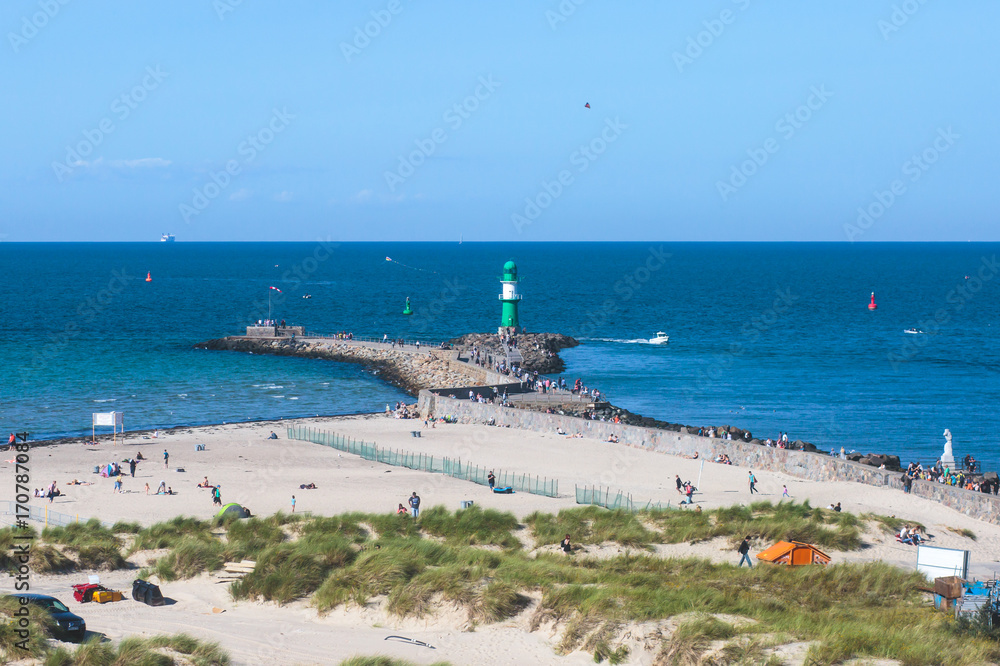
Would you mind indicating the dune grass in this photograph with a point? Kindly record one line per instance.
(785, 521)
(39, 630)
(590, 525)
(472, 526)
(168, 534)
(135, 651)
(848, 611)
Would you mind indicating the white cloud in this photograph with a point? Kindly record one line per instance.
(363, 196)
(240, 194)
(141, 163)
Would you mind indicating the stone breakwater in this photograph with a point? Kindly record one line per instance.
(799, 463)
(540, 351)
(407, 368)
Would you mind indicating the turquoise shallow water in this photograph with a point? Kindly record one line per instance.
(767, 336)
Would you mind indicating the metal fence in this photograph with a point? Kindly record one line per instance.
(524, 483)
(39, 514)
(609, 499)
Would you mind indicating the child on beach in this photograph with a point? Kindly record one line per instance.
(784, 491)
(401, 511)
(147, 488)
(293, 503)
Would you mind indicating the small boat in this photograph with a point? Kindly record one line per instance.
(913, 331)
(167, 238)
(660, 339)
(307, 296)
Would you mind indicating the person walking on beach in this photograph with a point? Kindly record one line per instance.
(753, 484)
(147, 488)
(166, 459)
(680, 485)
(217, 496)
(744, 551)
(492, 480)
(10, 442)
(414, 504)
(689, 491)
(784, 491)
(293, 503)
(131, 466)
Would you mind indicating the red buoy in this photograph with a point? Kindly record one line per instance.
(872, 306)
(149, 277)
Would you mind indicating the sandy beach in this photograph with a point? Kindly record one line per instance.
(263, 474)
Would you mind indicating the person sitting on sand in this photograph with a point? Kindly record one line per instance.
(308, 486)
(560, 431)
(566, 546)
(170, 491)
(272, 435)
(138, 456)
(162, 488)
(205, 484)
(401, 511)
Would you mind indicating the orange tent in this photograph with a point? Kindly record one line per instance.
(793, 553)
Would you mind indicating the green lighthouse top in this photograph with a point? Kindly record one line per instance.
(510, 271)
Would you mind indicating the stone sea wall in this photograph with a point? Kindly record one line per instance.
(801, 464)
(408, 369)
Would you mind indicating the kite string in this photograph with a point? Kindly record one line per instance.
(398, 263)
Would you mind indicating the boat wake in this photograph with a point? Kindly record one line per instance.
(636, 341)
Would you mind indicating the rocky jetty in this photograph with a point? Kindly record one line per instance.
(539, 350)
(409, 370)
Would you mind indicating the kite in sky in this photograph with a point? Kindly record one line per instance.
(423, 270)
(587, 105)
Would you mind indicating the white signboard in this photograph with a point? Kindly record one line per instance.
(109, 418)
(104, 418)
(935, 562)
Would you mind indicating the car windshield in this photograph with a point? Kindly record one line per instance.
(56, 605)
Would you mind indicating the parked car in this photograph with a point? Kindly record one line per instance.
(68, 625)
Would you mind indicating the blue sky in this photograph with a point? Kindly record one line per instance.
(717, 120)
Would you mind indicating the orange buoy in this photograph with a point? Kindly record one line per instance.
(872, 306)
(149, 277)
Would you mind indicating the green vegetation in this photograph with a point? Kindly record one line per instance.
(473, 560)
(785, 521)
(890, 524)
(168, 534)
(153, 651)
(473, 526)
(962, 531)
(591, 525)
(39, 630)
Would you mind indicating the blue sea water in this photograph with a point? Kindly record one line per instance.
(767, 336)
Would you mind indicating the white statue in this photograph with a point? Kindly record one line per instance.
(948, 458)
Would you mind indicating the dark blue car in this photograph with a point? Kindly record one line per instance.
(68, 625)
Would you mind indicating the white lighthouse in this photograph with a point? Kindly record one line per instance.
(509, 297)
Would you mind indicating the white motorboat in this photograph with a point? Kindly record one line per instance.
(913, 331)
(660, 339)
(167, 238)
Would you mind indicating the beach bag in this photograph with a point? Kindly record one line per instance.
(504, 491)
